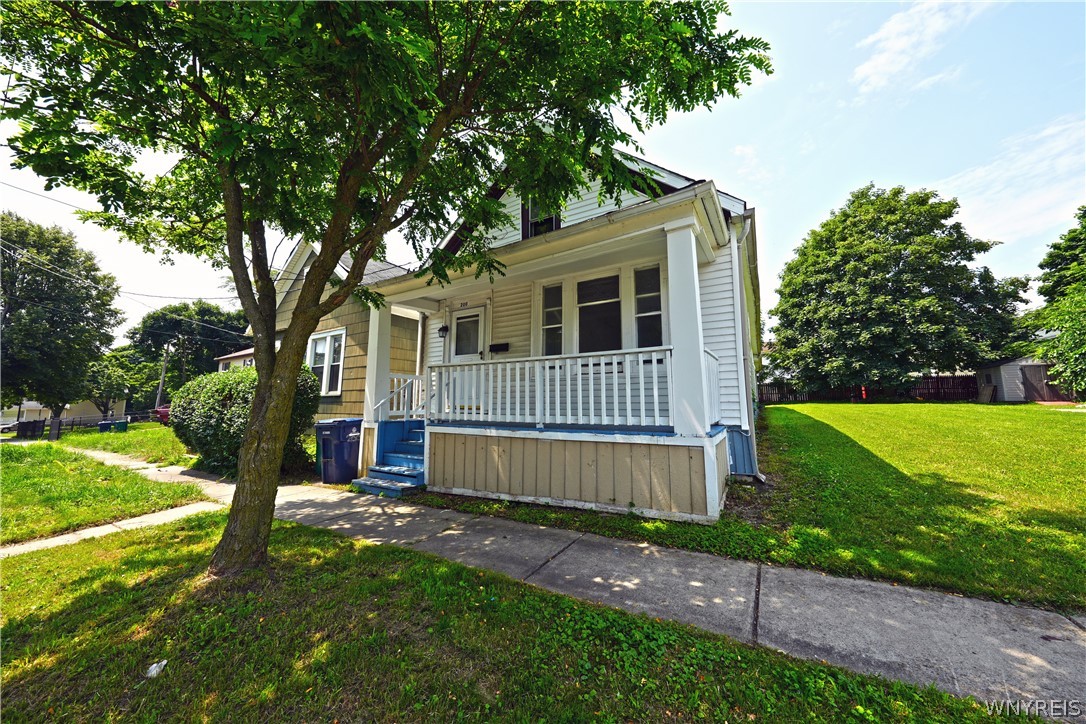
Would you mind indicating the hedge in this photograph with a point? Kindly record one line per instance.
(210, 412)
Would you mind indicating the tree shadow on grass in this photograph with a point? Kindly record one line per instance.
(337, 630)
(846, 510)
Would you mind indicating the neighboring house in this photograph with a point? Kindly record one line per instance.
(612, 367)
(337, 348)
(31, 410)
(1021, 379)
(241, 358)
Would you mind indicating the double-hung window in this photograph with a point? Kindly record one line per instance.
(552, 320)
(599, 315)
(648, 310)
(326, 359)
(534, 221)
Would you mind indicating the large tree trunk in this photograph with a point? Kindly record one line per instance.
(244, 543)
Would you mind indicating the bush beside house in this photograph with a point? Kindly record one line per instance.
(210, 413)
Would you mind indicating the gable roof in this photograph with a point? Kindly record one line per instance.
(376, 270)
(665, 180)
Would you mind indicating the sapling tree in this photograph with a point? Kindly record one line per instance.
(338, 123)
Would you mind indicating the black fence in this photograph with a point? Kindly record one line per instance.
(938, 388)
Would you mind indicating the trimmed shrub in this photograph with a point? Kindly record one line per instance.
(209, 415)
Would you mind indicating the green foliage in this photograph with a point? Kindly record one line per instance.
(189, 329)
(210, 415)
(1065, 263)
(1064, 344)
(884, 289)
(46, 490)
(56, 312)
(336, 629)
(118, 375)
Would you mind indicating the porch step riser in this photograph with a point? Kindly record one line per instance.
(409, 447)
(397, 474)
(414, 436)
(404, 460)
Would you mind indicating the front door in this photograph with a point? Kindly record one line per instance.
(467, 335)
(467, 386)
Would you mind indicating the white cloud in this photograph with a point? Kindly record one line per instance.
(908, 37)
(946, 76)
(1032, 187)
(750, 166)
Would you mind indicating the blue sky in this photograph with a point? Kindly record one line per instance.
(985, 102)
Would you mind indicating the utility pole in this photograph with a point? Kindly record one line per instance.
(162, 378)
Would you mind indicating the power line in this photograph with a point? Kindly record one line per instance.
(41, 195)
(26, 256)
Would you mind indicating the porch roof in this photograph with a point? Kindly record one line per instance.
(630, 224)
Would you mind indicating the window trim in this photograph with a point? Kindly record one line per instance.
(341, 332)
(571, 319)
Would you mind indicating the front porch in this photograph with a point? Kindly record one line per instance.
(602, 370)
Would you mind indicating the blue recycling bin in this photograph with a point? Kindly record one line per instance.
(337, 449)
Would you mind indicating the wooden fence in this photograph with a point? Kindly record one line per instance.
(941, 388)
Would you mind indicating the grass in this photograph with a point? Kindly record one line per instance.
(340, 630)
(148, 441)
(982, 500)
(46, 490)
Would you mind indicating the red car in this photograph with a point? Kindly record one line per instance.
(163, 414)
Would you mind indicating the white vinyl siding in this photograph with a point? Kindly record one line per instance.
(435, 345)
(721, 326)
(511, 320)
(577, 210)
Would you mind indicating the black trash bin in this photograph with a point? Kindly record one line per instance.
(105, 426)
(337, 449)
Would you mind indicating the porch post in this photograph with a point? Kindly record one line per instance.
(378, 363)
(689, 402)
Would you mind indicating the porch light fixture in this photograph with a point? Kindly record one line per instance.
(443, 331)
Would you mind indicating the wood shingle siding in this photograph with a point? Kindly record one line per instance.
(354, 317)
(666, 478)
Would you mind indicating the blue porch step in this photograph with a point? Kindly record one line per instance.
(404, 460)
(387, 488)
(397, 473)
(414, 435)
(409, 447)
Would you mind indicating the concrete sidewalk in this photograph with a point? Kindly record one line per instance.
(965, 646)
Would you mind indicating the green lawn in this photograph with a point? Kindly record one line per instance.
(46, 490)
(983, 500)
(339, 630)
(149, 441)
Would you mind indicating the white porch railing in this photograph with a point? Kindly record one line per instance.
(611, 389)
(407, 398)
(712, 386)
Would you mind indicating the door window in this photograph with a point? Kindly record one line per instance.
(467, 338)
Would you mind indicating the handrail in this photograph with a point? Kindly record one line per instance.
(557, 357)
(407, 383)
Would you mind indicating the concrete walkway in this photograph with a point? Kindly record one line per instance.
(989, 650)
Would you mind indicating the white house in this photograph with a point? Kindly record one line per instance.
(612, 367)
